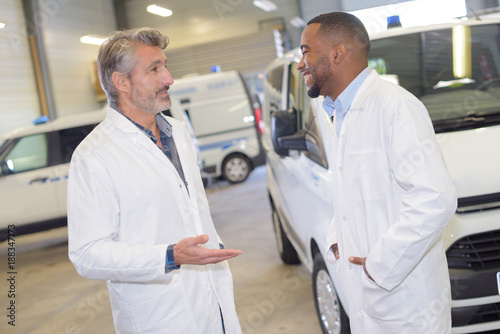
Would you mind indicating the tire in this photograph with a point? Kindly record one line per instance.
(331, 315)
(286, 250)
(236, 168)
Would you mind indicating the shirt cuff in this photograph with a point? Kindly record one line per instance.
(169, 259)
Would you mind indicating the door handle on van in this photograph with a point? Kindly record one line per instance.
(41, 179)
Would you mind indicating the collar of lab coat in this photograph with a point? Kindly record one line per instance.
(133, 132)
(358, 103)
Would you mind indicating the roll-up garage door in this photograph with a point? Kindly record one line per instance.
(246, 54)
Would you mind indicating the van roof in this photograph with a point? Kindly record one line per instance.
(203, 77)
(79, 119)
(410, 30)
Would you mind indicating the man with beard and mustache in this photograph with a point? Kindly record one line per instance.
(393, 195)
(138, 215)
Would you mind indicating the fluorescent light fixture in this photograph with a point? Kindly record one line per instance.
(266, 5)
(94, 40)
(154, 9)
(298, 22)
(2, 25)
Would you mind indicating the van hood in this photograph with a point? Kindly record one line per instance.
(473, 160)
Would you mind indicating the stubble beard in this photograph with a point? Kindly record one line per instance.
(149, 103)
(321, 73)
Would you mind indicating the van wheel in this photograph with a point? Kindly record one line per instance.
(287, 252)
(331, 315)
(236, 168)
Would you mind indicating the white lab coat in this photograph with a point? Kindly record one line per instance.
(126, 204)
(393, 197)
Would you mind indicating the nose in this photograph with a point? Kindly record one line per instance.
(167, 78)
(301, 65)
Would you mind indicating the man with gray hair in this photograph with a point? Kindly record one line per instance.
(138, 216)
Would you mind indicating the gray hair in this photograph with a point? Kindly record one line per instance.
(117, 54)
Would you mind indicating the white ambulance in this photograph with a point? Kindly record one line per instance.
(225, 122)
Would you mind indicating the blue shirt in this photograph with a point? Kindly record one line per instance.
(343, 102)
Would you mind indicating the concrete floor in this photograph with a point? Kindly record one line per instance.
(270, 297)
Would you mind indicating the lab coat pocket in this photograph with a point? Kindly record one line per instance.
(367, 175)
(381, 304)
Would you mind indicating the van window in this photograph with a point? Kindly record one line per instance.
(298, 100)
(71, 138)
(28, 153)
(300, 104)
(423, 63)
(275, 79)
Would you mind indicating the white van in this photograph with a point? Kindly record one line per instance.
(465, 110)
(34, 164)
(224, 121)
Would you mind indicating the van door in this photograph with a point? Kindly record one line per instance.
(305, 183)
(67, 141)
(27, 181)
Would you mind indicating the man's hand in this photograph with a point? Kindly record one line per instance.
(335, 250)
(360, 261)
(189, 251)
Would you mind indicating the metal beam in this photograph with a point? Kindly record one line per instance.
(34, 29)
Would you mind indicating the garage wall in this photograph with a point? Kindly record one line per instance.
(62, 22)
(203, 21)
(18, 96)
(69, 61)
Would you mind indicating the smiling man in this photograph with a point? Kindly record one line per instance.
(138, 216)
(393, 195)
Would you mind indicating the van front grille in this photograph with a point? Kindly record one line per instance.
(478, 251)
(475, 315)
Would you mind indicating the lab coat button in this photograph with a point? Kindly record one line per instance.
(345, 218)
(340, 169)
(350, 267)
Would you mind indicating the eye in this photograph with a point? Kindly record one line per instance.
(155, 69)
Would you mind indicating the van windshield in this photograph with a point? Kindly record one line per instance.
(454, 72)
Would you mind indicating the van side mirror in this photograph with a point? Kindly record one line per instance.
(284, 134)
(4, 169)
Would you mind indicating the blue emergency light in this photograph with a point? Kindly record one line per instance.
(40, 120)
(393, 22)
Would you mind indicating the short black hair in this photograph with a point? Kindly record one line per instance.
(344, 25)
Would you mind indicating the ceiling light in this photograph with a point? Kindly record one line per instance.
(154, 9)
(2, 25)
(91, 39)
(265, 5)
(297, 22)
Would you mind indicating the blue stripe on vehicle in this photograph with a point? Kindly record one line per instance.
(222, 144)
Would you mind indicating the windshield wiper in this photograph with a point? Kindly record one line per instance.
(470, 121)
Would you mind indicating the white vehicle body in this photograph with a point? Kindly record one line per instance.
(34, 165)
(466, 117)
(221, 111)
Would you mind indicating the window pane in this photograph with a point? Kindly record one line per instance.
(423, 63)
(29, 153)
(70, 138)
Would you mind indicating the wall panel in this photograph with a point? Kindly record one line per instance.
(18, 95)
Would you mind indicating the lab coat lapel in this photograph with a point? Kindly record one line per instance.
(137, 136)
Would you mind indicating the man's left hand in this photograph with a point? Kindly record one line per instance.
(360, 261)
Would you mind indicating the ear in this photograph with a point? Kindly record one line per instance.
(339, 52)
(121, 81)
